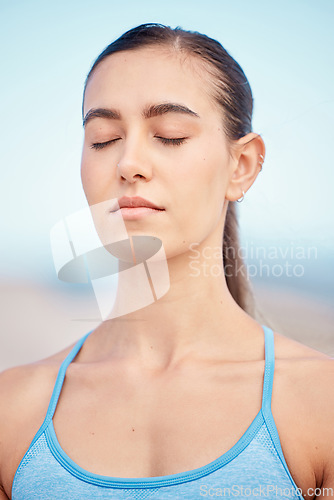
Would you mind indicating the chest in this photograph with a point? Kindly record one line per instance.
(126, 428)
(164, 432)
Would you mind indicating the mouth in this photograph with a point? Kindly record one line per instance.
(135, 208)
(134, 202)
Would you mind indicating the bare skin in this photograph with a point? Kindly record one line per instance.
(140, 379)
(160, 442)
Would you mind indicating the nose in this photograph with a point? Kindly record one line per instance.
(134, 163)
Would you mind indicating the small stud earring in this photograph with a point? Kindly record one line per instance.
(242, 198)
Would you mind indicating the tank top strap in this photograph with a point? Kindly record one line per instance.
(60, 378)
(268, 370)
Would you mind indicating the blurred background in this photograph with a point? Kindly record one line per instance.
(286, 219)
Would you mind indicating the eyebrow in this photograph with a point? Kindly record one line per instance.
(149, 112)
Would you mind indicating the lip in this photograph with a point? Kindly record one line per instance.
(135, 213)
(129, 204)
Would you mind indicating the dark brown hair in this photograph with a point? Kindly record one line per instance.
(232, 92)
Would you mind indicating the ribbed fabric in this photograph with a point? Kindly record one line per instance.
(253, 468)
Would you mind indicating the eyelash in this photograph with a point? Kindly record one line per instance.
(101, 145)
(164, 140)
(172, 142)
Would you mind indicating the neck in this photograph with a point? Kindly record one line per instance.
(196, 317)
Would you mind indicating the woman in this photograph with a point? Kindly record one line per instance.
(177, 399)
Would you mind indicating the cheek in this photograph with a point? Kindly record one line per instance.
(199, 192)
(206, 190)
(96, 180)
(204, 181)
(87, 180)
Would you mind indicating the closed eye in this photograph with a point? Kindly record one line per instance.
(172, 142)
(101, 145)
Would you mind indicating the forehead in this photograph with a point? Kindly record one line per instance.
(150, 74)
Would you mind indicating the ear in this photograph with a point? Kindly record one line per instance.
(247, 157)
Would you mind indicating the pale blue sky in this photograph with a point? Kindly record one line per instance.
(286, 51)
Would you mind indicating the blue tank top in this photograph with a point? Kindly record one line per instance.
(253, 468)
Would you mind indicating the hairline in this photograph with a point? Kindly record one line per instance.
(189, 57)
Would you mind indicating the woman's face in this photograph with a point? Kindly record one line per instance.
(162, 140)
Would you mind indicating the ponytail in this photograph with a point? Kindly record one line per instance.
(234, 268)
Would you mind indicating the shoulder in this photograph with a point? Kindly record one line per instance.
(25, 392)
(22, 385)
(304, 386)
(299, 363)
(308, 373)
